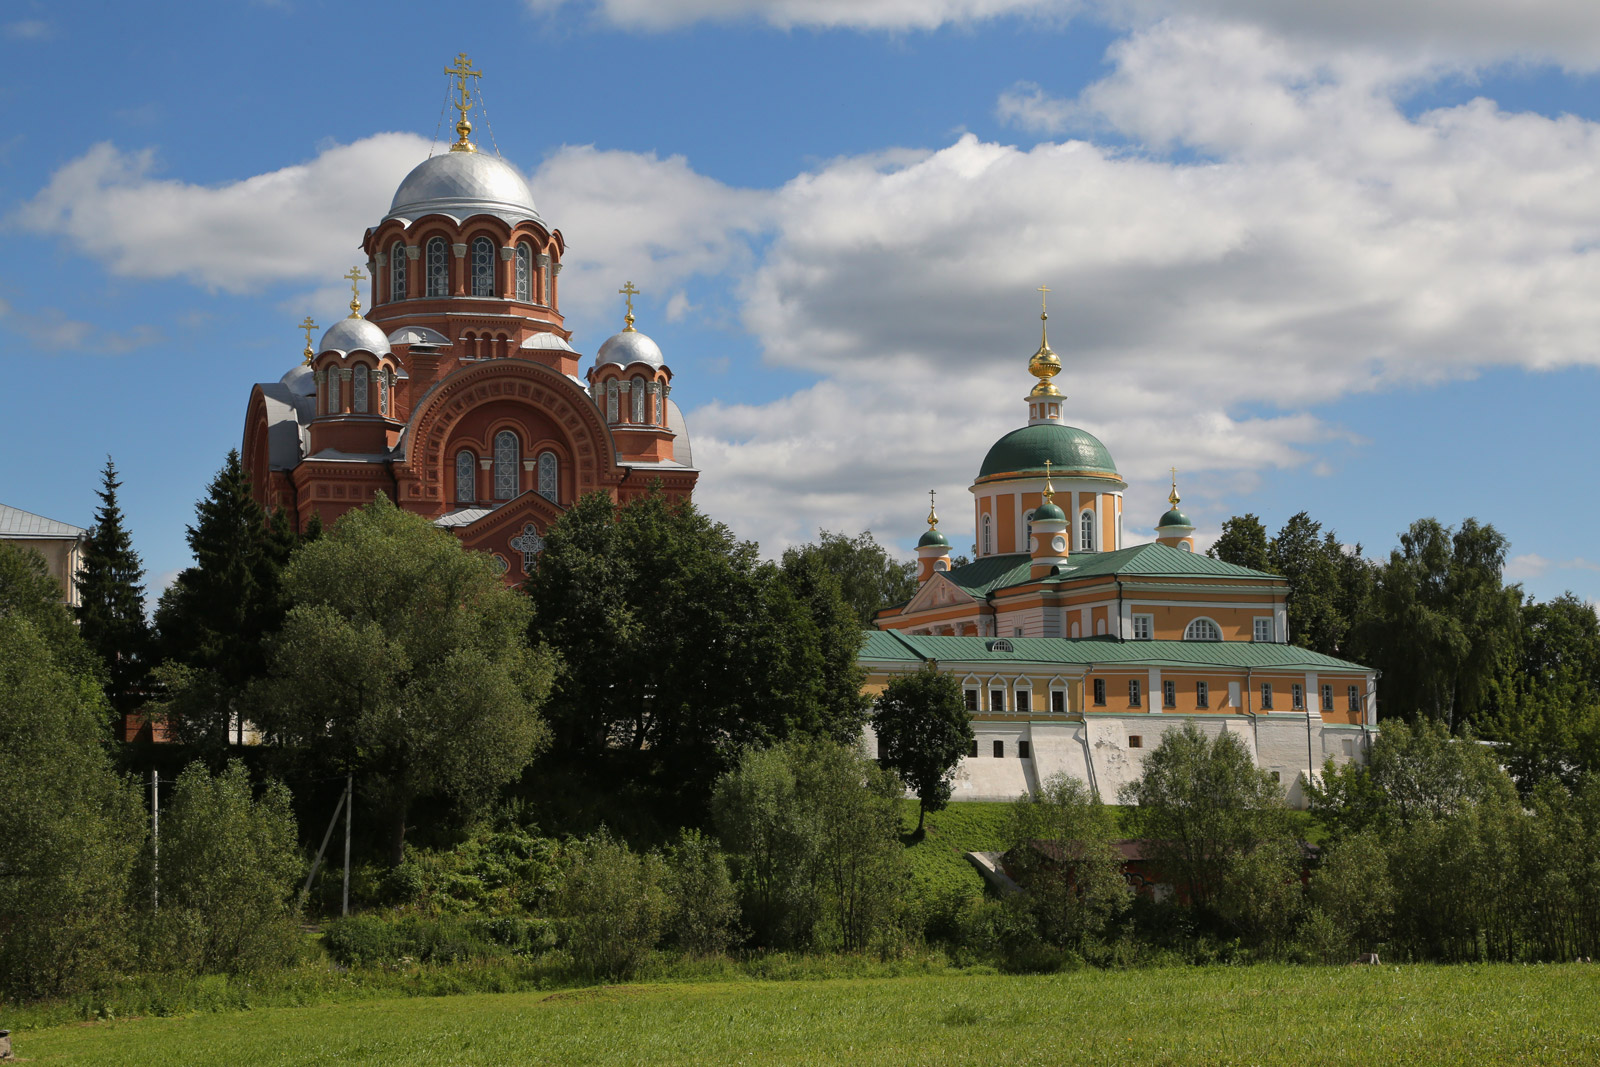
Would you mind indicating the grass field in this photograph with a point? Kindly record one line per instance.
(1253, 1015)
(937, 860)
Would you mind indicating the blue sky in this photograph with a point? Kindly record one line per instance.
(1341, 261)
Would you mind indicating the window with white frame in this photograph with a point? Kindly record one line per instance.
(1169, 694)
(1135, 693)
(524, 273)
(482, 267)
(1058, 701)
(1355, 698)
(1100, 692)
(1327, 698)
(1144, 627)
(438, 253)
(1262, 630)
(1266, 696)
(1024, 701)
(507, 457)
(972, 700)
(1297, 697)
(1202, 695)
(359, 386)
(466, 477)
(1202, 630)
(549, 477)
(997, 700)
(397, 271)
(1086, 532)
(638, 401)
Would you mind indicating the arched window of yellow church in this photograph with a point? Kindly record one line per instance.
(507, 452)
(638, 400)
(987, 539)
(397, 271)
(549, 477)
(360, 383)
(482, 267)
(1086, 532)
(438, 267)
(524, 273)
(466, 477)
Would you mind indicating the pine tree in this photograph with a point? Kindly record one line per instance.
(111, 595)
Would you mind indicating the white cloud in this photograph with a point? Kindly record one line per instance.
(51, 331)
(29, 30)
(857, 14)
(1532, 565)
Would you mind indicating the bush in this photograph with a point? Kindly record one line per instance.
(614, 906)
(705, 907)
(377, 941)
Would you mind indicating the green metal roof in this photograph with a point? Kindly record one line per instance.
(992, 572)
(1153, 561)
(933, 537)
(1048, 511)
(1068, 449)
(1174, 518)
(1102, 651)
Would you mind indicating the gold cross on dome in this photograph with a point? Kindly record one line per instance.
(933, 516)
(1173, 499)
(308, 326)
(462, 71)
(1044, 298)
(356, 278)
(630, 292)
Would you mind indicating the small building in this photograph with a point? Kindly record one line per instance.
(59, 543)
(1076, 650)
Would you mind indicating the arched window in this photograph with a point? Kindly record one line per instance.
(397, 271)
(507, 452)
(987, 541)
(383, 392)
(333, 391)
(1027, 536)
(360, 382)
(1202, 630)
(466, 477)
(549, 477)
(658, 414)
(1086, 532)
(611, 400)
(524, 273)
(638, 400)
(438, 267)
(482, 267)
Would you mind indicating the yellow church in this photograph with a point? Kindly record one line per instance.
(1077, 651)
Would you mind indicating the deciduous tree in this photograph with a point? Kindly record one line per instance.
(923, 730)
(868, 576)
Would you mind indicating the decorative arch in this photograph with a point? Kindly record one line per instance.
(1202, 629)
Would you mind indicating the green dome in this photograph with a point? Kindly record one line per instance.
(1174, 518)
(1069, 450)
(933, 537)
(1048, 512)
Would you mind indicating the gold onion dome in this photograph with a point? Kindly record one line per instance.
(933, 536)
(1045, 364)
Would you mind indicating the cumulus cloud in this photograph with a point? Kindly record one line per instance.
(1531, 565)
(786, 14)
(51, 330)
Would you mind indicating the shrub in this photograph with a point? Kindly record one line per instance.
(704, 905)
(613, 903)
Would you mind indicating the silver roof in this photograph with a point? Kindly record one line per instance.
(17, 524)
(680, 441)
(463, 516)
(463, 184)
(348, 335)
(629, 347)
(551, 342)
(288, 414)
(301, 381)
(418, 335)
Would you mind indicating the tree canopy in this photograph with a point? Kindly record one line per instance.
(111, 599)
(923, 730)
(869, 578)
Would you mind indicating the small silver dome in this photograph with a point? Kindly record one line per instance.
(629, 347)
(348, 335)
(419, 335)
(301, 381)
(463, 184)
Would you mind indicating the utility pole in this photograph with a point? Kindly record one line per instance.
(349, 809)
(155, 842)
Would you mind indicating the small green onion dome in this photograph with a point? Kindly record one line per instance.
(931, 538)
(1048, 512)
(1174, 518)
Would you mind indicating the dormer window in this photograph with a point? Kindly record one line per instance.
(482, 267)
(438, 267)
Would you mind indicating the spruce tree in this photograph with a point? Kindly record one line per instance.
(111, 600)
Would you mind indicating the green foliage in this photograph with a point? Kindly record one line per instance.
(613, 904)
(374, 940)
(111, 600)
(868, 576)
(70, 828)
(1243, 543)
(680, 645)
(1203, 807)
(1329, 588)
(227, 875)
(404, 661)
(495, 870)
(705, 905)
(1064, 854)
(814, 830)
(213, 621)
(28, 591)
(923, 731)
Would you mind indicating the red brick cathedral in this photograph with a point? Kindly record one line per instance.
(458, 395)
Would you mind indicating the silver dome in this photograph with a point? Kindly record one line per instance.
(301, 381)
(629, 347)
(463, 184)
(419, 335)
(348, 335)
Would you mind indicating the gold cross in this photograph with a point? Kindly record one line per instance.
(630, 292)
(1049, 490)
(1174, 498)
(933, 516)
(356, 278)
(462, 71)
(1044, 298)
(308, 326)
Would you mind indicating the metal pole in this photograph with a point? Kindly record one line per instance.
(316, 864)
(155, 842)
(349, 810)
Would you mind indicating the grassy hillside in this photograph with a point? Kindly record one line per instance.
(936, 859)
(1303, 1016)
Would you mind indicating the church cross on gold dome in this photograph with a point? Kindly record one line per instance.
(1049, 490)
(462, 71)
(356, 278)
(1173, 497)
(630, 292)
(933, 516)
(1045, 364)
(308, 326)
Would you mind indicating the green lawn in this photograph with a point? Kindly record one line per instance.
(1248, 1015)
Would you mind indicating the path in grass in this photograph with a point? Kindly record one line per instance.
(1256, 1015)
